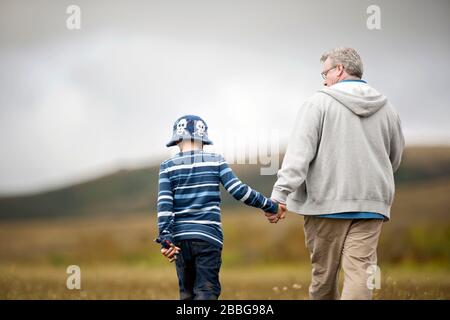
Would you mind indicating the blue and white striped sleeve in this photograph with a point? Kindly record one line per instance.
(242, 192)
(166, 215)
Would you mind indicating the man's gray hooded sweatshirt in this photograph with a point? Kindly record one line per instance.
(346, 144)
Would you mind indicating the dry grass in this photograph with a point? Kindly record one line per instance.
(141, 282)
(261, 261)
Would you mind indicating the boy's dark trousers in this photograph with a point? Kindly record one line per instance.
(198, 265)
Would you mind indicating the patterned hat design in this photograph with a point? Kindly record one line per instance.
(189, 127)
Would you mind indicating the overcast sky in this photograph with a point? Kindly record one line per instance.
(75, 104)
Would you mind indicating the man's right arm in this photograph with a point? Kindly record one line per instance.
(300, 152)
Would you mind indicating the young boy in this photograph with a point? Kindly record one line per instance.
(189, 224)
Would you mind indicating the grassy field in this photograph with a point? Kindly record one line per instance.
(257, 282)
(118, 259)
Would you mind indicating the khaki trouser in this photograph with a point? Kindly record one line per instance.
(352, 242)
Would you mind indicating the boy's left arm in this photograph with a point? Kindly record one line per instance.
(242, 192)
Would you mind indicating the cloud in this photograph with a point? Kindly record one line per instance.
(77, 104)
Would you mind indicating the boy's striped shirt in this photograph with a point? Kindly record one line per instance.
(189, 196)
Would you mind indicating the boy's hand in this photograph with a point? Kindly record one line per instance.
(171, 253)
(168, 250)
(281, 214)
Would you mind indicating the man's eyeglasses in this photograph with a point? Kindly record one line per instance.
(324, 74)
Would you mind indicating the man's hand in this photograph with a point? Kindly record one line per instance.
(281, 214)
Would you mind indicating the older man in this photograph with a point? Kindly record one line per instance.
(338, 171)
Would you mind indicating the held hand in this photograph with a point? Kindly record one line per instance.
(281, 214)
(282, 211)
(273, 218)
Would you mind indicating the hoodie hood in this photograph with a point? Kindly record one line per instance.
(357, 96)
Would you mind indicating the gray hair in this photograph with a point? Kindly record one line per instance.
(348, 57)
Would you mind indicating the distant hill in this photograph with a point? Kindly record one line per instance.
(129, 191)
